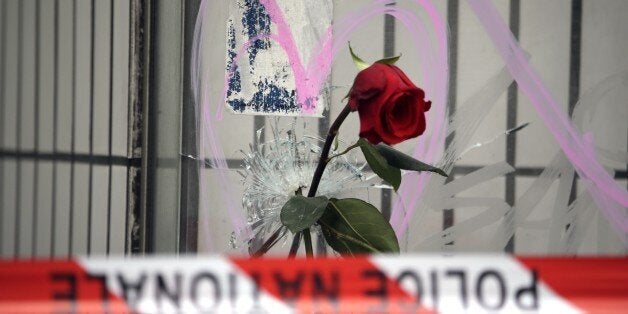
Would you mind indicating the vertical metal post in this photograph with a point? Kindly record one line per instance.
(453, 10)
(511, 122)
(169, 178)
(139, 47)
(189, 196)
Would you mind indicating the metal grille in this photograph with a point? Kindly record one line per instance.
(64, 154)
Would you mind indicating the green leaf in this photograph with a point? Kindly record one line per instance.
(301, 212)
(390, 60)
(402, 161)
(359, 63)
(379, 165)
(353, 226)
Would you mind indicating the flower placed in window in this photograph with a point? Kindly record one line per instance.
(391, 110)
(390, 106)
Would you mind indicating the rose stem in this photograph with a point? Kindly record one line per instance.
(318, 174)
(268, 244)
(322, 162)
(307, 238)
(295, 245)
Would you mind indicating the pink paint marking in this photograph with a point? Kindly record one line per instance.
(579, 153)
(429, 147)
(318, 69)
(195, 81)
(286, 40)
(565, 134)
(231, 71)
(218, 159)
(209, 146)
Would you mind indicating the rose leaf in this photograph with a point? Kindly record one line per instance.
(300, 212)
(359, 63)
(390, 60)
(379, 165)
(402, 161)
(352, 226)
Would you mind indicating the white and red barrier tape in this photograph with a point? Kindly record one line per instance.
(369, 284)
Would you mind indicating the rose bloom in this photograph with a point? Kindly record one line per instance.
(390, 106)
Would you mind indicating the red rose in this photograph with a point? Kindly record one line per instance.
(390, 106)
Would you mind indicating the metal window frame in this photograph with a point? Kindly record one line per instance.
(167, 216)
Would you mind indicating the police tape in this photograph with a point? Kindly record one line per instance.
(368, 284)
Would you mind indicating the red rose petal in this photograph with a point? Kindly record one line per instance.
(404, 116)
(371, 136)
(369, 114)
(390, 106)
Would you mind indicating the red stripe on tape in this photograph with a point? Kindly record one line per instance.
(330, 285)
(596, 285)
(54, 287)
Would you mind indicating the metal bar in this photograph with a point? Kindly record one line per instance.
(18, 171)
(453, 7)
(36, 140)
(389, 51)
(91, 130)
(163, 130)
(103, 160)
(110, 143)
(148, 147)
(73, 139)
(323, 127)
(457, 170)
(511, 121)
(575, 54)
(233, 164)
(138, 67)
(189, 196)
(389, 34)
(55, 104)
(130, 135)
(3, 53)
